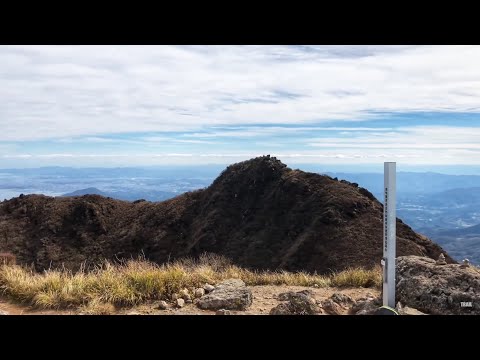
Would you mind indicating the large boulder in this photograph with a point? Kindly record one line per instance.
(230, 294)
(297, 303)
(437, 289)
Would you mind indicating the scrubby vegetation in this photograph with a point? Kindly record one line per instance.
(134, 282)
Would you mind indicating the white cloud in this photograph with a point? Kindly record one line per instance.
(70, 91)
(418, 137)
(336, 157)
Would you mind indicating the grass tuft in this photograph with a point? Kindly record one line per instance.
(135, 282)
(357, 277)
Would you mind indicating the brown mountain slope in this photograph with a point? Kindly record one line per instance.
(259, 213)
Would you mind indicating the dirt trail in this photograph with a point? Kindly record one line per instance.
(264, 299)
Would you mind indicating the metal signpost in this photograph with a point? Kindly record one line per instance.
(389, 234)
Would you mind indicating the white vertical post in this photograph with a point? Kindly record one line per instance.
(389, 234)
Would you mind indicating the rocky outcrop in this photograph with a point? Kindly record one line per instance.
(296, 303)
(437, 289)
(230, 294)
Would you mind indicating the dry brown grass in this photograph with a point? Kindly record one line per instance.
(138, 281)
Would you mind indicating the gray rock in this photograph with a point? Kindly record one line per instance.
(223, 312)
(338, 303)
(184, 294)
(342, 299)
(405, 310)
(230, 294)
(287, 296)
(364, 312)
(281, 309)
(175, 297)
(162, 305)
(366, 306)
(3, 312)
(180, 303)
(297, 303)
(199, 292)
(331, 307)
(208, 288)
(465, 263)
(441, 260)
(447, 289)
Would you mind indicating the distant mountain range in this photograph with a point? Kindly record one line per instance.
(412, 182)
(130, 195)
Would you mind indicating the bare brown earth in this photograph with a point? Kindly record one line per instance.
(264, 299)
(259, 213)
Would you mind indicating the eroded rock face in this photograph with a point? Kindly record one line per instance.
(437, 289)
(230, 294)
(297, 303)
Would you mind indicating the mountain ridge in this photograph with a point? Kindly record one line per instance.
(259, 213)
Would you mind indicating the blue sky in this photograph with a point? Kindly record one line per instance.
(155, 105)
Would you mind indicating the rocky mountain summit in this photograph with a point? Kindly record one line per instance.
(259, 213)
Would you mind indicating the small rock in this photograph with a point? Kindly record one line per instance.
(162, 305)
(184, 294)
(441, 260)
(3, 312)
(199, 292)
(465, 263)
(342, 299)
(187, 298)
(289, 295)
(175, 297)
(208, 288)
(365, 306)
(363, 312)
(405, 310)
(331, 307)
(230, 294)
(298, 303)
(223, 312)
(281, 309)
(188, 301)
(180, 303)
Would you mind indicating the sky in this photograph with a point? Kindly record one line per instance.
(192, 105)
